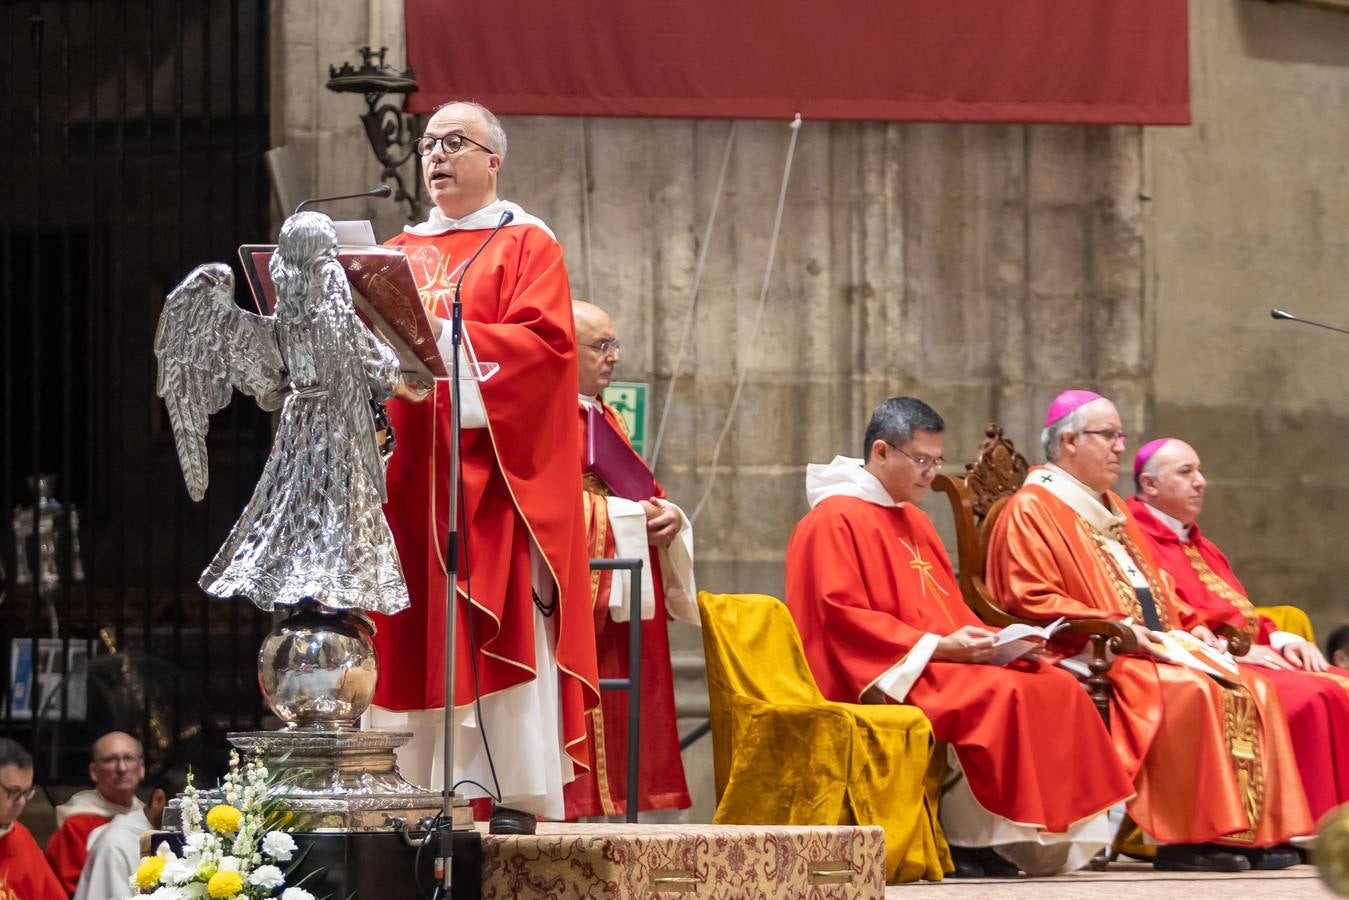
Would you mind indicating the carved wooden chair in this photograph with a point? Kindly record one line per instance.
(976, 500)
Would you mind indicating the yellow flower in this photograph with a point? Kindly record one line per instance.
(224, 819)
(148, 872)
(224, 884)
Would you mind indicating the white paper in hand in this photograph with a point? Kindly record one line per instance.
(1015, 641)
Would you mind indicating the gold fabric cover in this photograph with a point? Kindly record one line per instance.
(1289, 619)
(784, 755)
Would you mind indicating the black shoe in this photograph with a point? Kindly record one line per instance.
(966, 860)
(981, 862)
(511, 821)
(1198, 858)
(1271, 858)
(996, 866)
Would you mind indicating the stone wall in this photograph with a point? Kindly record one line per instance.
(1251, 211)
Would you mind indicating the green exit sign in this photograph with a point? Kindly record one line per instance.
(628, 398)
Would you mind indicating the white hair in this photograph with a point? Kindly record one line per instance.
(496, 135)
(1052, 436)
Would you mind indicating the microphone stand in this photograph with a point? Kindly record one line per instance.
(382, 191)
(445, 824)
(1281, 314)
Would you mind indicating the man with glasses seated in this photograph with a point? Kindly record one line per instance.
(24, 871)
(525, 640)
(882, 621)
(642, 525)
(1209, 751)
(116, 767)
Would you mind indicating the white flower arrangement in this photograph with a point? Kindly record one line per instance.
(232, 854)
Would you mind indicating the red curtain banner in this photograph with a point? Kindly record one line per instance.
(1103, 61)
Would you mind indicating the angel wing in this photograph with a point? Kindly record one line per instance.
(207, 346)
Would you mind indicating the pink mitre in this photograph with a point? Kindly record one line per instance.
(1067, 402)
(1145, 453)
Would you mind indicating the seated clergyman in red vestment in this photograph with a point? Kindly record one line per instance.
(1210, 753)
(525, 639)
(652, 529)
(1031, 771)
(24, 871)
(116, 767)
(1170, 489)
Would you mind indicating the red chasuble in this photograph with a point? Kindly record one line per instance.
(1182, 735)
(1317, 703)
(521, 483)
(24, 872)
(603, 791)
(67, 848)
(865, 583)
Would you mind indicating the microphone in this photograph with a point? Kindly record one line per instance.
(1283, 314)
(382, 191)
(445, 821)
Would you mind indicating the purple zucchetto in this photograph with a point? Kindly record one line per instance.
(1066, 402)
(1145, 453)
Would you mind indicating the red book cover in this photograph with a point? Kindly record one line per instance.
(611, 457)
(384, 293)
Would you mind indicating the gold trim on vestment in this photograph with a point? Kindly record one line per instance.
(1215, 583)
(1123, 585)
(601, 769)
(1241, 728)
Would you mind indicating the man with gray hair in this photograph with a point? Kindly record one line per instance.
(882, 621)
(1170, 495)
(525, 652)
(1209, 750)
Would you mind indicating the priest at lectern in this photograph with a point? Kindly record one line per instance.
(525, 640)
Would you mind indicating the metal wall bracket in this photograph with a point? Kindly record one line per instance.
(392, 132)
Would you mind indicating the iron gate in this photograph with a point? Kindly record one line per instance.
(132, 148)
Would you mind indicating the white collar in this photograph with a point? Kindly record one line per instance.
(845, 477)
(1083, 500)
(438, 223)
(1181, 530)
(591, 402)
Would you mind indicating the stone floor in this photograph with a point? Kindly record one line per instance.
(1124, 881)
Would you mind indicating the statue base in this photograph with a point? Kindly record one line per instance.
(341, 779)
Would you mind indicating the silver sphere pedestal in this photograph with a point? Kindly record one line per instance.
(317, 670)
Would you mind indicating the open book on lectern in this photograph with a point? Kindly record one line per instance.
(384, 292)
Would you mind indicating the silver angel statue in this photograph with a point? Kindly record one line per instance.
(314, 529)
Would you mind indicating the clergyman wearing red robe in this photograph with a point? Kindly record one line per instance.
(24, 872)
(1210, 754)
(116, 767)
(1170, 487)
(656, 531)
(1032, 771)
(525, 641)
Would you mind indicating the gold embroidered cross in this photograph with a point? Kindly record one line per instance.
(923, 567)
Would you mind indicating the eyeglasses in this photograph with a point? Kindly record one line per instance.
(126, 759)
(923, 462)
(15, 794)
(452, 144)
(1109, 435)
(604, 348)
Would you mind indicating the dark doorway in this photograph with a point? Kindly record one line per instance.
(132, 151)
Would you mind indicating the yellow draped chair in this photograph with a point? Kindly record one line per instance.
(1290, 619)
(784, 755)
